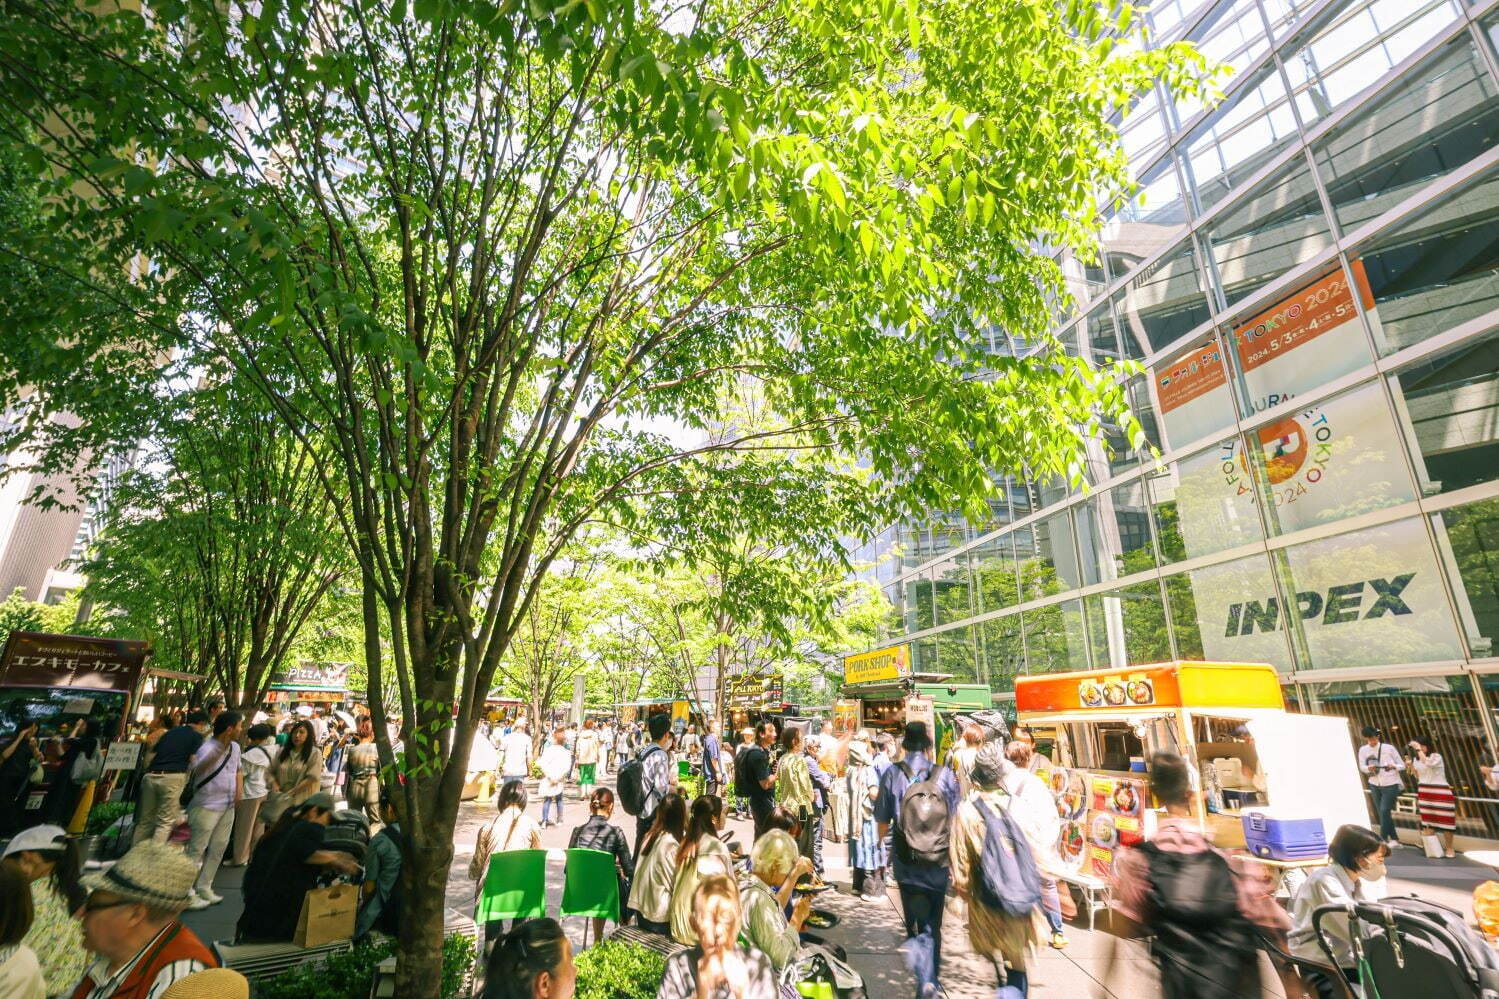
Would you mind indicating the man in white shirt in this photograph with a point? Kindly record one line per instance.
(516, 755)
(1380, 763)
(218, 786)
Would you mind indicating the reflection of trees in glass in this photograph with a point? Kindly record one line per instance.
(1168, 533)
(1183, 611)
(956, 655)
(996, 579)
(1004, 652)
(952, 588)
(1473, 532)
(918, 604)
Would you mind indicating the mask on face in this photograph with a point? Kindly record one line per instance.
(1373, 870)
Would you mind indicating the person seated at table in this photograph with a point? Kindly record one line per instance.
(533, 961)
(701, 855)
(715, 967)
(650, 894)
(765, 893)
(1357, 855)
(286, 865)
(598, 834)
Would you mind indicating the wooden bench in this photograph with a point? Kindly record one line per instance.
(663, 945)
(1097, 894)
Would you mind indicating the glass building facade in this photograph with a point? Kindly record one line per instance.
(1310, 279)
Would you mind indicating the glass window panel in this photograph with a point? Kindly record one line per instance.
(1239, 138)
(1232, 34)
(1003, 649)
(1197, 505)
(1085, 281)
(1440, 708)
(1122, 456)
(1165, 302)
(951, 586)
(996, 579)
(1358, 44)
(1491, 30)
(1435, 272)
(1020, 498)
(1442, 114)
(1047, 557)
(1105, 341)
(1054, 640)
(1207, 614)
(1142, 133)
(956, 655)
(1275, 229)
(1332, 460)
(1449, 405)
(1190, 394)
(1302, 340)
(1367, 598)
(1166, 16)
(1127, 627)
(924, 655)
(915, 544)
(1468, 537)
(919, 613)
(1114, 533)
(1285, 14)
(1139, 228)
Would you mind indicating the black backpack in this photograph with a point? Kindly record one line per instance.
(1006, 879)
(921, 828)
(633, 792)
(1203, 944)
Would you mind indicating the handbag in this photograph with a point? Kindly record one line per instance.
(189, 789)
(1432, 846)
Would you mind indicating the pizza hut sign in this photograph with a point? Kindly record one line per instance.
(34, 659)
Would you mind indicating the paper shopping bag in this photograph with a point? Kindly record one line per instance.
(327, 915)
(1432, 846)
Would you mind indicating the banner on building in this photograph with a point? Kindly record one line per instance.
(307, 675)
(893, 663)
(35, 659)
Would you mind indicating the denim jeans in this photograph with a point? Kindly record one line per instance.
(1016, 985)
(1051, 904)
(922, 911)
(1384, 808)
(546, 806)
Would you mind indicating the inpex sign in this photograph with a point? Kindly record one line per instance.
(1339, 605)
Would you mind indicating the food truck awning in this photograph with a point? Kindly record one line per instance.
(175, 674)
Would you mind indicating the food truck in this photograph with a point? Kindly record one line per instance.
(1252, 757)
(883, 694)
(58, 681)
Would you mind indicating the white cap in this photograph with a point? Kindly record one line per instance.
(37, 838)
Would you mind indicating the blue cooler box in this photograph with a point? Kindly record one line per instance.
(1275, 838)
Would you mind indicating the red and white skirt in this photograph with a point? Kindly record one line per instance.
(1438, 806)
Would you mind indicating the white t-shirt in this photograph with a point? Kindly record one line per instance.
(1433, 771)
(517, 754)
(254, 763)
(20, 975)
(1386, 758)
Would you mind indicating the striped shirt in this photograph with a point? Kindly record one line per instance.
(106, 985)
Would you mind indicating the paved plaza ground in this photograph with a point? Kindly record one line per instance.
(871, 931)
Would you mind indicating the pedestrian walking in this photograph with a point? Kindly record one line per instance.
(1435, 799)
(914, 807)
(1005, 938)
(1035, 809)
(254, 764)
(1381, 766)
(1199, 908)
(217, 786)
(587, 754)
(515, 754)
(794, 786)
(296, 774)
(160, 807)
(555, 763)
(754, 777)
(822, 787)
(960, 760)
(654, 779)
(713, 775)
(866, 852)
(362, 762)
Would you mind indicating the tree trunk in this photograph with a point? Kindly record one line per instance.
(423, 908)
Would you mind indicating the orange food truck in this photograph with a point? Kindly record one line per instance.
(1252, 757)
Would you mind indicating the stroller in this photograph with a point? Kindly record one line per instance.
(1411, 948)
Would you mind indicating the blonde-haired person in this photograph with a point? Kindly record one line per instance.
(960, 760)
(717, 967)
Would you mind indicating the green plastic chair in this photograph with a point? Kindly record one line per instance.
(684, 768)
(590, 886)
(515, 886)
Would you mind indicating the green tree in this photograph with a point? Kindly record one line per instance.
(481, 246)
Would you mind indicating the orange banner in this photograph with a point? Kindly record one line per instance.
(1301, 317)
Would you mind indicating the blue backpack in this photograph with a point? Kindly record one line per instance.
(1006, 879)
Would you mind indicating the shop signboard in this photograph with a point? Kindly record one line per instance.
(750, 691)
(34, 659)
(308, 675)
(893, 663)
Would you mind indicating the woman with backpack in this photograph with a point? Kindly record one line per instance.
(1004, 937)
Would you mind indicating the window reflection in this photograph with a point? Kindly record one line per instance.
(1443, 115)
(1140, 227)
(1278, 227)
(996, 579)
(1240, 137)
(1450, 407)
(1204, 503)
(1165, 302)
(1127, 627)
(1047, 557)
(955, 655)
(1438, 271)
(1233, 35)
(1054, 641)
(1469, 538)
(950, 589)
(1114, 533)
(1209, 614)
(1003, 651)
(1359, 43)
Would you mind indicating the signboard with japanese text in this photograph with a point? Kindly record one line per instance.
(34, 659)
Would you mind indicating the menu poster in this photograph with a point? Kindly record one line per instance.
(1069, 787)
(1074, 845)
(1100, 815)
(1101, 862)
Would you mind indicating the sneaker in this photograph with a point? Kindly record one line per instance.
(871, 898)
(214, 898)
(1058, 940)
(196, 901)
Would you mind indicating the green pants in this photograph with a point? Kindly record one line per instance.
(585, 774)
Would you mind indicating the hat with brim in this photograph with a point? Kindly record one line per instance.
(40, 838)
(211, 983)
(857, 753)
(152, 873)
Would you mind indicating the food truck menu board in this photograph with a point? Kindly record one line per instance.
(1100, 814)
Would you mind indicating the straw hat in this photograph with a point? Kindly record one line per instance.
(215, 983)
(151, 873)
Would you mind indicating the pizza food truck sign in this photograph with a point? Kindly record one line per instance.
(893, 663)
